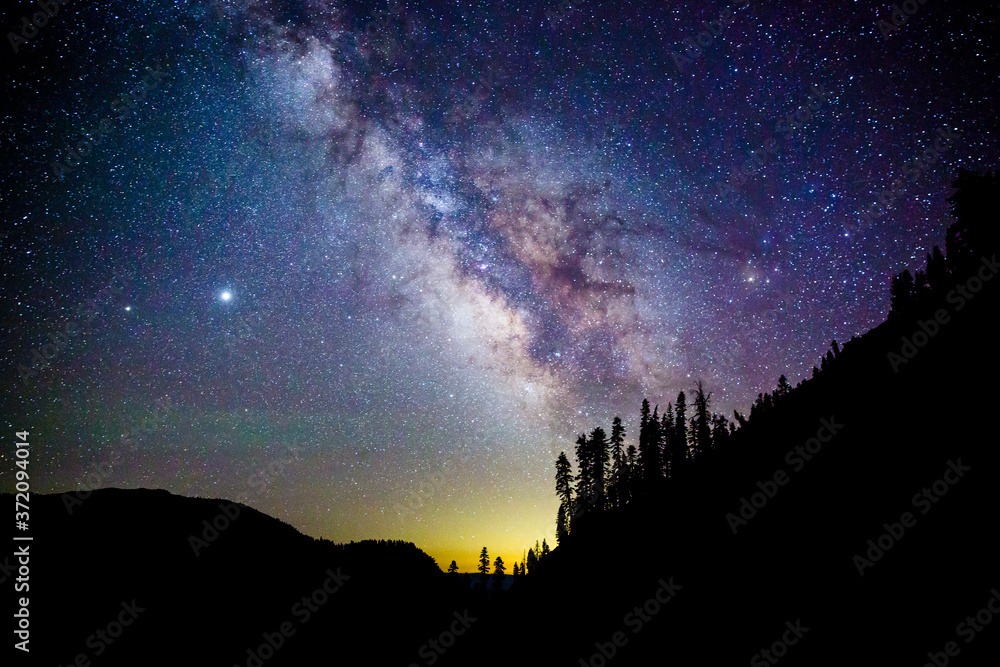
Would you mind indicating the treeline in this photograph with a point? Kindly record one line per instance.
(610, 476)
(965, 240)
(386, 554)
(528, 564)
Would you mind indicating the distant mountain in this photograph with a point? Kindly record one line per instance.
(129, 556)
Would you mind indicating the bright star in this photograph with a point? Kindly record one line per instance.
(226, 296)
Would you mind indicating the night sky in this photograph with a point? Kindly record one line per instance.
(391, 257)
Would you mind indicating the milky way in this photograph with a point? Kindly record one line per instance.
(452, 237)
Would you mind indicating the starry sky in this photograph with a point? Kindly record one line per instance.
(376, 264)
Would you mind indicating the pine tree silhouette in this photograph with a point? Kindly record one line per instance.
(599, 460)
(680, 436)
(498, 574)
(937, 272)
(616, 492)
(703, 421)
(667, 436)
(484, 567)
(584, 478)
(783, 387)
(720, 432)
(974, 231)
(902, 295)
(631, 474)
(564, 482)
(649, 445)
(692, 431)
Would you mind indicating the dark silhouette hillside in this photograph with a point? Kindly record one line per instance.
(889, 436)
(123, 545)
